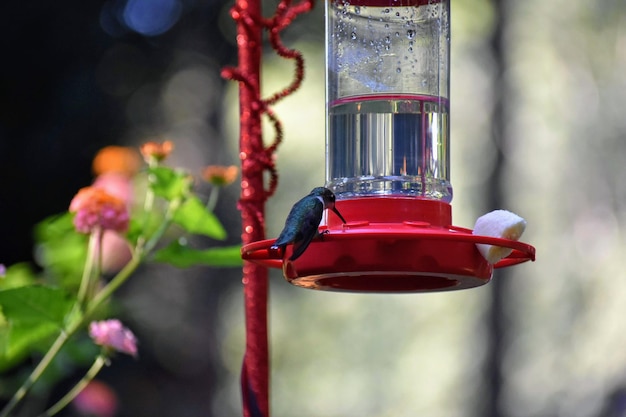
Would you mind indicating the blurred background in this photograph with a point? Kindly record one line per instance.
(538, 127)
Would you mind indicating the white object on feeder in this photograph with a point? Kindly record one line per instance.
(500, 224)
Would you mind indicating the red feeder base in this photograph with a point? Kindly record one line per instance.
(390, 245)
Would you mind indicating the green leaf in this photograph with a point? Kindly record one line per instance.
(135, 229)
(17, 275)
(182, 256)
(30, 315)
(193, 216)
(61, 250)
(168, 183)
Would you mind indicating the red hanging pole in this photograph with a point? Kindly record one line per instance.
(255, 160)
(255, 367)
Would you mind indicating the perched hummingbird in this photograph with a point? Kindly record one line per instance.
(304, 219)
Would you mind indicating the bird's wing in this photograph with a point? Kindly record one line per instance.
(310, 222)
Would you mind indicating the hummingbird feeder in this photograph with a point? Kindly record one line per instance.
(387, 164)
(388, 160)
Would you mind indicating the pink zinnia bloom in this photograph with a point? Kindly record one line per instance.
(95, 208)
(111, 334)
(117, 185)
(116, 251)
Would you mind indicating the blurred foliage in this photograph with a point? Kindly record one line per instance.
(179, 254)
(61, 252)
(36, 308)
(30, 315)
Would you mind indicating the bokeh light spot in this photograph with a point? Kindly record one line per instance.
(151, 17)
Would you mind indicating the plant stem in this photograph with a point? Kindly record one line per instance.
(113, 285)
(100, 361)
(138, 256)
(148, 204)
(96, 272)
(41, 367)
(85, 282)
(212, 201)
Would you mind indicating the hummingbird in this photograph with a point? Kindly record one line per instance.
(304, 219)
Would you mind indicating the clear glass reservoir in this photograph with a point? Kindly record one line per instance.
(387, 90)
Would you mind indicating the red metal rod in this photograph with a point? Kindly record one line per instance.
(255, 160)
(255, 368)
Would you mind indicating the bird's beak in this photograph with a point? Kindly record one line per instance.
(338, 214)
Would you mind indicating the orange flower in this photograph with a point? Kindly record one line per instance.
(220, 175)
(116, 159)
(154, 150)
(95, 208)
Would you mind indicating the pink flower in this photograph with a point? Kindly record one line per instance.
(95, 208)
(116, 251)
(96, 399)
(111, 334)
(117, 185)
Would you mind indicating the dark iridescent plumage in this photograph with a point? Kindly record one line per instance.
(304, 219)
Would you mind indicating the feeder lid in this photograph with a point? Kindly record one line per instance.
(406, 246)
